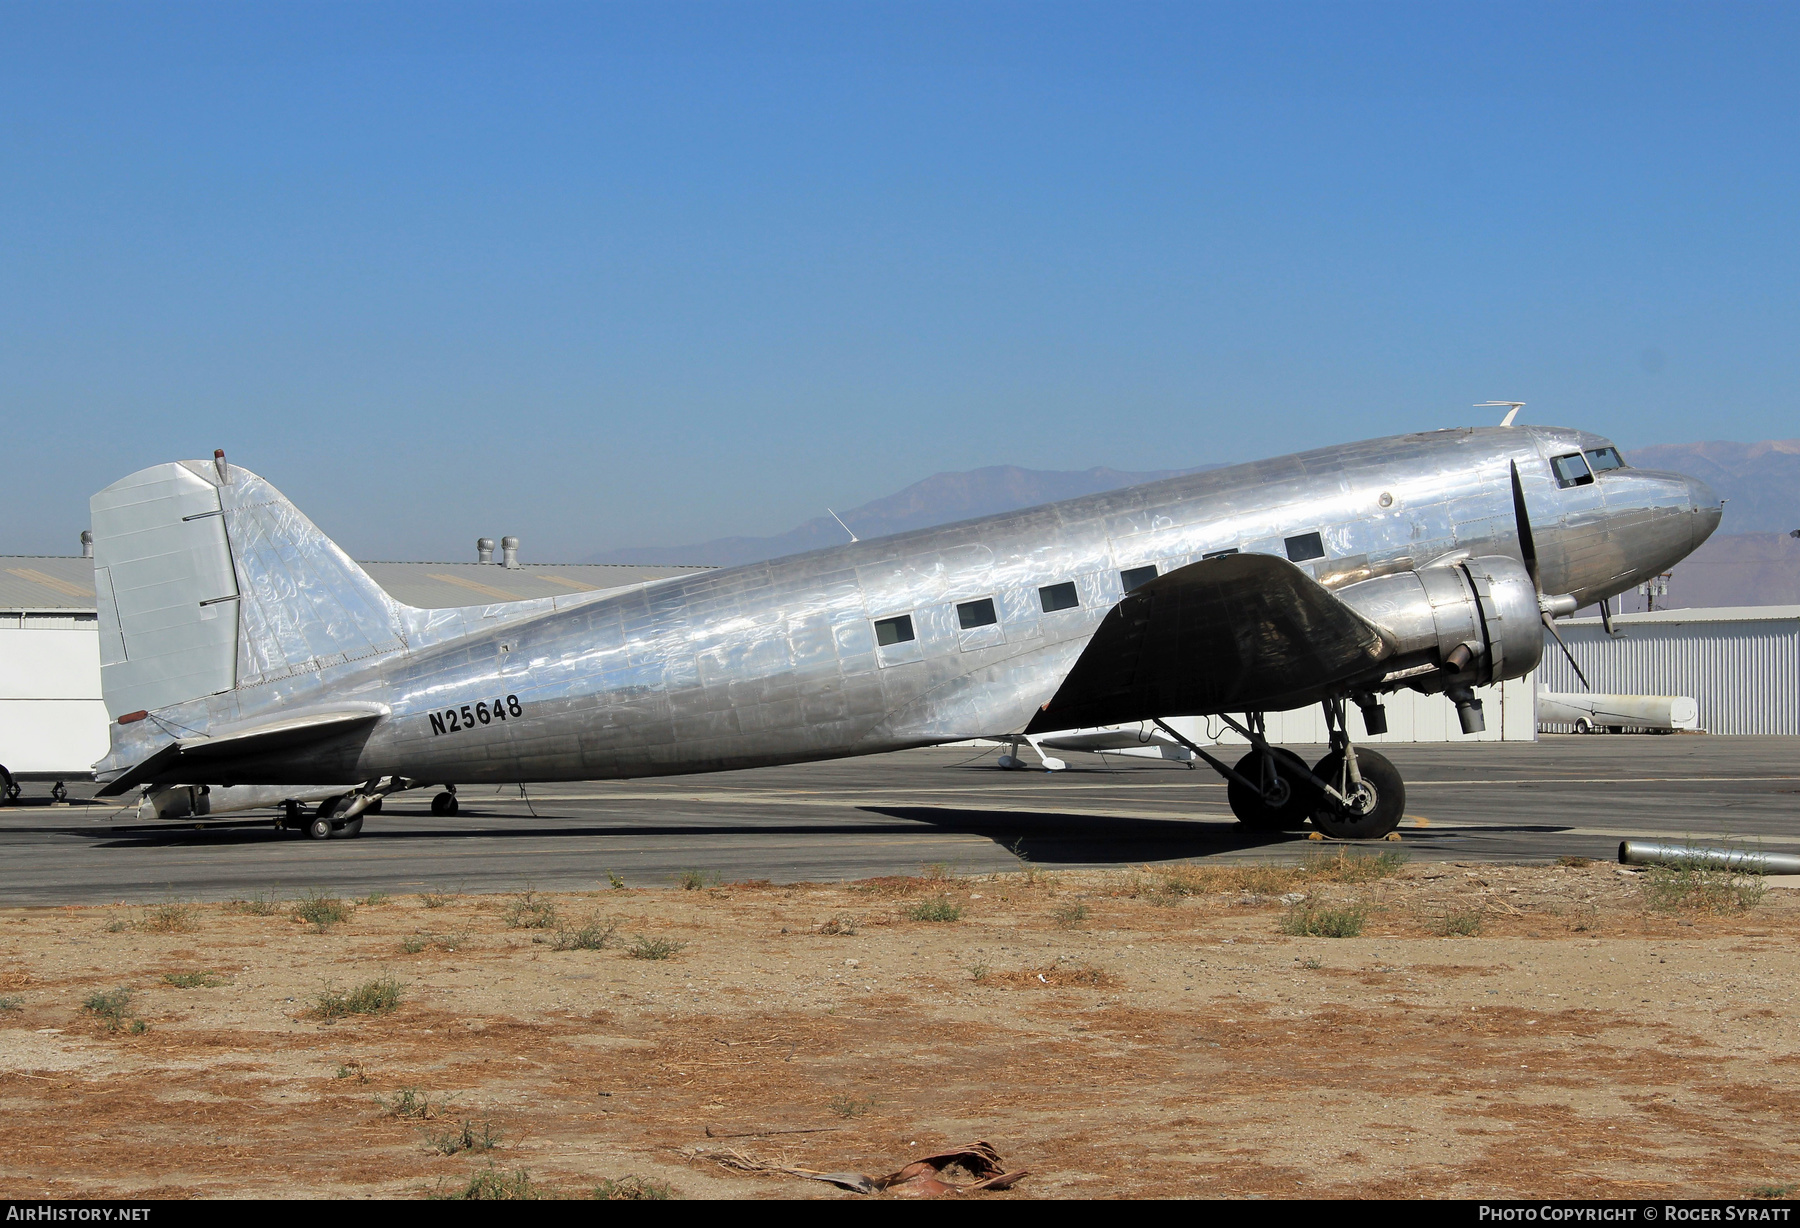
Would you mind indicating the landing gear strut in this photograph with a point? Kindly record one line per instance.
(1350, 794)
(1370, 796)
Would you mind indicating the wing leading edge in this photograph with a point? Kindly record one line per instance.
(1246, 632)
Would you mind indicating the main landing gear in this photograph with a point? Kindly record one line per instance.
(1350, 794)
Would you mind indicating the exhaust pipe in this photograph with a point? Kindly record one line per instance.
(1693, 856)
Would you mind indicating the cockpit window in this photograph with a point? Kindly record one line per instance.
(1571, 470)
(1602, 459)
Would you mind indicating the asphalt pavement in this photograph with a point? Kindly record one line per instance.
(893, 814)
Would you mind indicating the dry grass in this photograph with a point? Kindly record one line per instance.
(1052, 976)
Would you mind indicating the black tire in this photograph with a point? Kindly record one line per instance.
(444, 803)
(8, 790)
(348, 830)
(320, 828)
(1254, 812)
(1377, 807)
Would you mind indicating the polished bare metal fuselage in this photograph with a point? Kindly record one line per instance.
(778, 662)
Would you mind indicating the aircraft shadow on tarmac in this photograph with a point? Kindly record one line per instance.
(1044, 837)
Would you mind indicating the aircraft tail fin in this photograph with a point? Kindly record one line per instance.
(208, 579)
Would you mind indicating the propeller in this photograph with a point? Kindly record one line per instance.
(1528, 549)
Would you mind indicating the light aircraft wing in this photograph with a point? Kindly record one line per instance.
(1245, 632)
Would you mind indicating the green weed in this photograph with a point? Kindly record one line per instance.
(1302, 922)
(694, 880)
(616, 880)
(530, 911)
(352, 1070)
(376, 997)
(940, 909)
(632, 1188)
(117, 925)
(169, 918)
(261, 904)
(415, 943)
(493, 1184)
(595, 935)
(468, 1138)
(1456, 923)
(321, 911)
(654, 948)
(112, 1007)
(1674, 888)
(848, 1106)
(1070, 915)
(433, 899)
(375, 898)
(408, 1102)
(193, 980)
(11, 1002)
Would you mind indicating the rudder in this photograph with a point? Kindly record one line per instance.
(208, 579)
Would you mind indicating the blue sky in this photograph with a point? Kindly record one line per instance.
(608, 275)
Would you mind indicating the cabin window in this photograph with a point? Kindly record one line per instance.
(977, 613)
(1137, 577)
(1304, 547)
(1218, 554)
(1602, 459)
(894, 630)
(1054, 597)
(1571, 470)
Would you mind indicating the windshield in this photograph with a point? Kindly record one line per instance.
(1571, 470)
(1602, 459)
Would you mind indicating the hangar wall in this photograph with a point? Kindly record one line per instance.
(1742, 663)
(1510, 709)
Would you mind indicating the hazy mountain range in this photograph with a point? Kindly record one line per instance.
(1750, 561)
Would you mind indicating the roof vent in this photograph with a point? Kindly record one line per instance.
(87, 543)
(484, 549)
(509, 552)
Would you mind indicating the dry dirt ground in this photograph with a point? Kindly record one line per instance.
(1155, 1033)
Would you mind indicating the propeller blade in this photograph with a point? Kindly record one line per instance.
(1550, 623)
(1527, 546)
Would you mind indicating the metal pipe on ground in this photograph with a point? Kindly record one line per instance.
(1746, 861)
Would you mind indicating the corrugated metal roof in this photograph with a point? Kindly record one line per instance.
(59, 582)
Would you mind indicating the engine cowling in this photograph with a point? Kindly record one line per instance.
(1476, 620)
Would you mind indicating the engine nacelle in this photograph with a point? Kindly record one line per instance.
(1477, 619)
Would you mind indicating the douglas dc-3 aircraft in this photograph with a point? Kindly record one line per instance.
(240, 646)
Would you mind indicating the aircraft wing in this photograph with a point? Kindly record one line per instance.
(1245, 632)
(247, 738)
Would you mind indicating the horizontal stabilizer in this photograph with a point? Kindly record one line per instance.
(291, 729)
(1245, 632)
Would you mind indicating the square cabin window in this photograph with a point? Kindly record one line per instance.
(1054, 597)
(894, 630)
(1304, 547)
(1137, 577)
(977, 614)
(1571, 470)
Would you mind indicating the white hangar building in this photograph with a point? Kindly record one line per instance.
(1741, 663)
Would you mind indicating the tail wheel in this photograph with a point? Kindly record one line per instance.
(319, 828)
(1375, 805)
(1292, 806)
(444, 803)
(349, 830)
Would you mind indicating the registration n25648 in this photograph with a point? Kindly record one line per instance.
(456, 720)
